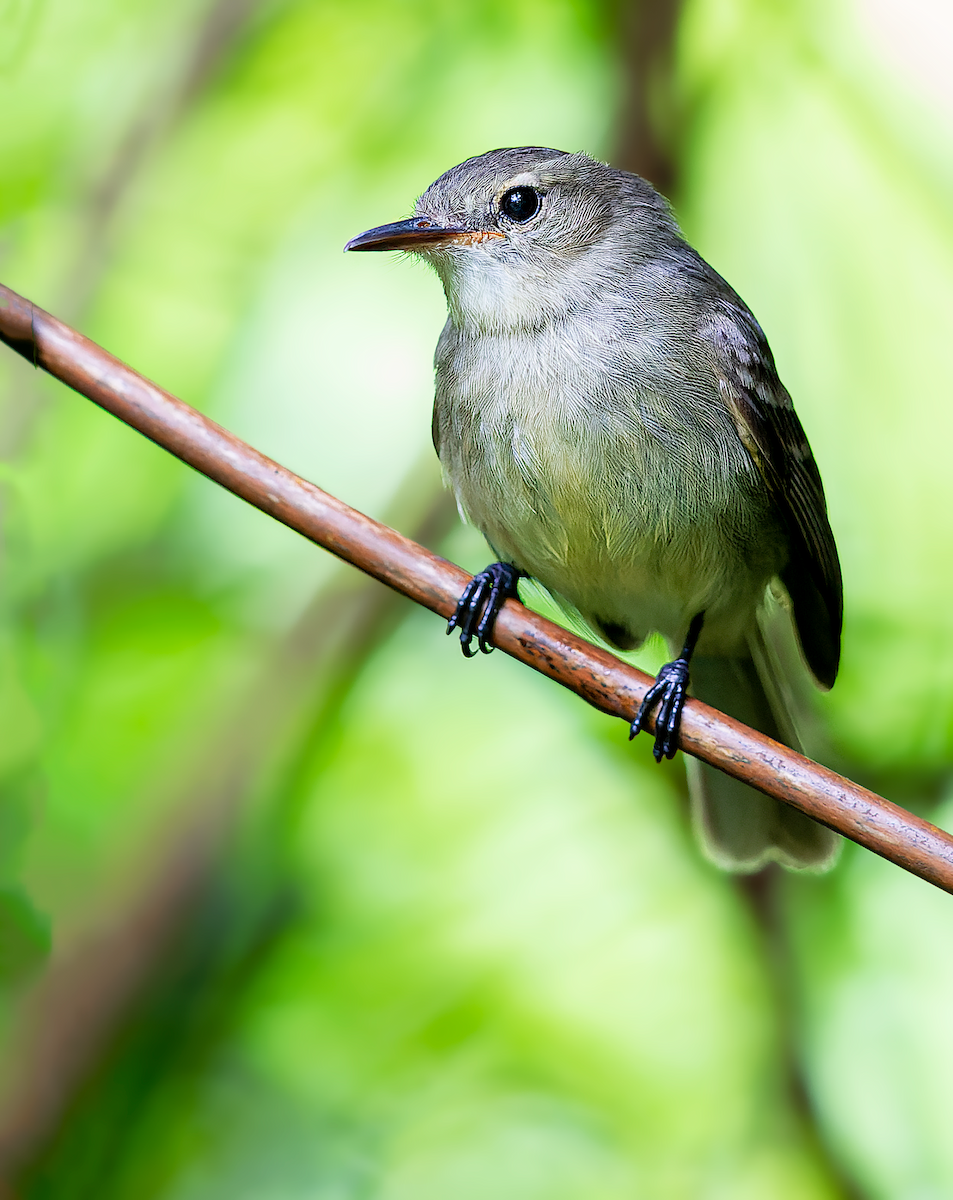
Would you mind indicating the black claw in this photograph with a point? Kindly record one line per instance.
(480, 604)
(669, 692)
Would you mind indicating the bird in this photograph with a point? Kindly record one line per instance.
(609, 415)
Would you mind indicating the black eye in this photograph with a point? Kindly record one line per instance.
(520, 204)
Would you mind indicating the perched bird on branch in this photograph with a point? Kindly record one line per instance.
(609, 415)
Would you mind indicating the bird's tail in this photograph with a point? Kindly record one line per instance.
(741, 829)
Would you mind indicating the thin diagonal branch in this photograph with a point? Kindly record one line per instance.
(598, 676)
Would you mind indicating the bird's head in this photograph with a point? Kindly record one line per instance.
(522, 236)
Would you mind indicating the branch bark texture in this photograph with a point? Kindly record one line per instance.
(596, 675)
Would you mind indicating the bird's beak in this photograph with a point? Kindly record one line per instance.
(411, 234)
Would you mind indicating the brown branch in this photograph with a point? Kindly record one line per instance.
(598, 676)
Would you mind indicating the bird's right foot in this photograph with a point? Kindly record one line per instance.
(480, 604)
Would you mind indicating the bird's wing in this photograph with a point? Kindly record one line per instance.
(772, 434)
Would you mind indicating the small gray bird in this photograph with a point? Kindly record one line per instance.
(609, 415)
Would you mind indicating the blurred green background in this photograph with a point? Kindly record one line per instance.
(295, 904)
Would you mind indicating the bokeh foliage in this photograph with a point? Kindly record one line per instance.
(422, 928)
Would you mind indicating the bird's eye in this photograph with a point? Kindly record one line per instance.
(520, 204)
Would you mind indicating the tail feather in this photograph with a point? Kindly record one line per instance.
(741, 829)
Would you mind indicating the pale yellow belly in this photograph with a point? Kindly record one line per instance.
(622, 561)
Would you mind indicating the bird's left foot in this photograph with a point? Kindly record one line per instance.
(480, 604)
(669, 692)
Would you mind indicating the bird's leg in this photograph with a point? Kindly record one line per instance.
(669, 692)
(480, 604)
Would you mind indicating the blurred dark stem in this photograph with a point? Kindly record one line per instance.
(113, 1014)
(147, 1005)
(646, 143)
(763, 894)
(647, 129)
(216, 37)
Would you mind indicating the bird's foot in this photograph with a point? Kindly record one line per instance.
(669, 692)
(480, 604)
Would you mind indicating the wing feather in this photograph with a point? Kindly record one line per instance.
(772, 434)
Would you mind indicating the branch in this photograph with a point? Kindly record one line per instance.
(599, 677)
